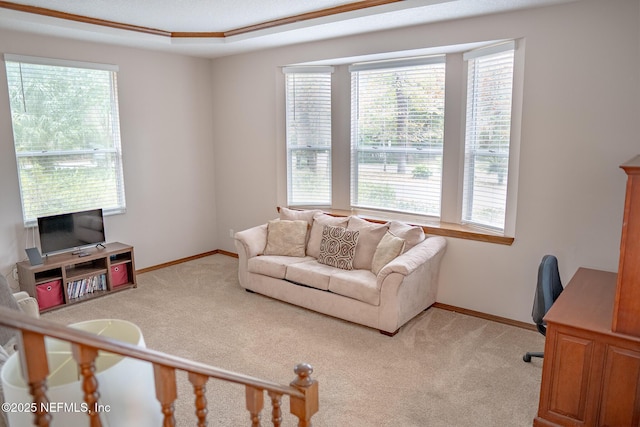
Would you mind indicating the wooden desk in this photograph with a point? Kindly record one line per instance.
(590, 375)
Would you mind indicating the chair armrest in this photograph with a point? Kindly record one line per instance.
(252, 240)
(27, 304)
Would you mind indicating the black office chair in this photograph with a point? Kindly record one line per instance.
(548, 289)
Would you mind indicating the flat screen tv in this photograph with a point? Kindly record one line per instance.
(69, 231)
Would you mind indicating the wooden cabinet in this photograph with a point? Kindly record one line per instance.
(590, 374)
(69, 278)
(591, 369)
(626, 316)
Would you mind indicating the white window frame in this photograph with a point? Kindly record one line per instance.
(454, 139)
(113, 150)
(514, 137)
(406, 188)
(490, 196)
(295, 195)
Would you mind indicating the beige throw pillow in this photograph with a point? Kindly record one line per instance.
(338, 247)
(293, 215)
(412, 234)
(287, 238)
(315, 236)
(370, 235)
(388, 249)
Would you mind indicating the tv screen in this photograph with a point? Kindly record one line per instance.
(71, 230)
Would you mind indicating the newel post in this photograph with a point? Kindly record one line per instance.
(304, 408)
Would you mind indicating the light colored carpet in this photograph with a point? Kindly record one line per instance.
(441, 369)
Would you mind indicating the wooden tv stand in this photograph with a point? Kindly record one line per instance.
(69, 278)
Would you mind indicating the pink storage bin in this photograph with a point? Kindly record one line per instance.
(49, 294)
(119, 275)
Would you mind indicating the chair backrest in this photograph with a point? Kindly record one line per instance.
(548, 288)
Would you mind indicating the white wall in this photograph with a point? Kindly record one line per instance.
(166, 130)
(203, 154)
(580, 121)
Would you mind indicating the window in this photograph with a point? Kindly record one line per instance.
(66, 134)
(397, 135)
(308, 133)
(488, 135)
(410, 156)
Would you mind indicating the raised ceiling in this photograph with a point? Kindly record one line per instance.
(212, 28)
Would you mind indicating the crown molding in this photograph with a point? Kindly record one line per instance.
(350, 7)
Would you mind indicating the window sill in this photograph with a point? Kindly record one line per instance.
(435, 227)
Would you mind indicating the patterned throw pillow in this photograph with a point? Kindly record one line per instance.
(338, 247)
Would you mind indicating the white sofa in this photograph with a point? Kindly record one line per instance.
(384, 289)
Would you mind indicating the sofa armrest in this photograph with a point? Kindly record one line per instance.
(27, 304)
(409, 261)
(252, 240)
(409, 283)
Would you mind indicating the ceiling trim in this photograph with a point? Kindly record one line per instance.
(336, 10)
(79, 18)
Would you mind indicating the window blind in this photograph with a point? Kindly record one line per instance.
(308, 134)
(397, 131)
(487, 136)
(66, 136)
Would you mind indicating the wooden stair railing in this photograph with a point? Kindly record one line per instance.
(302, 391)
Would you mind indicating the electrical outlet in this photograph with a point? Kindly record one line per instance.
(15, 273)
(231, 233)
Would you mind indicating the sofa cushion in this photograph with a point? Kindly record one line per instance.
(304, 215)
(412, 234)
(370, 235)
(338, 247)
(287, 238)
(272, 266)
(388, 249)
(315, 236)
(310, 273)
(356, 284)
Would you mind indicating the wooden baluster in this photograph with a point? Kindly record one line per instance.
(276, 404)
(166, 392)
(199, 388)
(255, 403)
(306, 407)
(86, 357)
(35, 369)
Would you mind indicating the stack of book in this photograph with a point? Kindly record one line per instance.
(79, 288)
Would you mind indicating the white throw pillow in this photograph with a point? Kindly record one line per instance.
(286, 238)
(388, 249)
